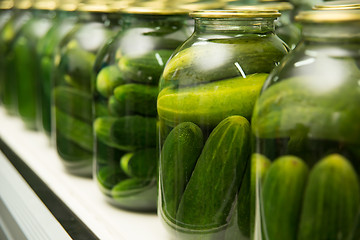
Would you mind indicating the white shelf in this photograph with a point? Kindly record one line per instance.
(81, 195)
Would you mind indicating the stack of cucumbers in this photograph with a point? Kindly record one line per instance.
(204, 109)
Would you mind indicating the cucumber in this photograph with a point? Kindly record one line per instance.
(332, 200)
(134, 132)
(208, 104)
(223, 59)
(129, 186)
(140, 164)
(255, 172)
(74, 129)
(211, 191)
(73, 102)
(101, 109)
(77, 65)
(146, 68)
(102, 129)
(289, 108)
(108, 79)
(69, 150)
(108, 177)
(106, 155)
(116, 108)
(137, 98)
(282, 194)
(179, 154)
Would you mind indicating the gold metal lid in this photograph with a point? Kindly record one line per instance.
(328, 16)
(6, 4)
(22, 4)
(104, 6)
(202, 5)
(338, 5)
(280, 6)
(156, 10)
(239, 13)
(45, 4)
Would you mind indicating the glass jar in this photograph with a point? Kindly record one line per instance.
(63, 23)
(284, 26)
(127, 75)
(207, 93)
(26, 68)
(21, 14)
(338, 5)
(5, 12)
(71, 96)
(306, 125)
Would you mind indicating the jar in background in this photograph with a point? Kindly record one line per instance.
(21, 14)
(26, 68)
(284, 25)
(207, 93)
(307, 126)
(63, 23)
(71, 97)
(6, 10)
(338, 5)
(127, 76)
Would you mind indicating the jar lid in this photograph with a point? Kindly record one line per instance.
(104, 6)
(328, 16)
(338, 5)
(6, 4)
(45, 4)
(280, 6)
(238, 13)
(22, 4)
(156, 10)
(197, 5)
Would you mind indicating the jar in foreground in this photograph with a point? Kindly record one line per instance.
(63, 23)
(127, 76)
(306, 124)
(21, 14)
(71, 95)
(207, 93)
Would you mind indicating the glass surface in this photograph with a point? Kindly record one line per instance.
(71, 92)
(306, 125)
(207, 93)
(127, 75)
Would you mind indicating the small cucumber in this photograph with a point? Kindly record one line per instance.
(74, 102)
(74, 129)
(331, 202)
(108, 177)
(69, 150)
(211, 191)
(102, 129)
(179, 154)
(146, 68)
(137, 98)
(223, 59)
(282, 194)
(116, 108)
(140, 164)
(207, 104)
(108, 79)
(255, 171)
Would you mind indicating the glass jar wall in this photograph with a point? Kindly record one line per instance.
(127, 75)
(63, 23)
(71, 93)
(21, 14)
(207, 93)
(306, 125)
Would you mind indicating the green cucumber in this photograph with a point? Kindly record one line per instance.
(179, 154)
(255, 172)
(116, 108)
(107, 177)
(331, 202)
(223, 59)
(207, 104)
(102, 129)
(137, 98)
(101, 109)
(282, 194)
(208, 197)
(146, 68)
(108, 79)
(74, 129)
(140, 164)
(69, 150)
(134, 132)
(73, 102)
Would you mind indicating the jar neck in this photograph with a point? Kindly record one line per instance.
(284, 19)
(108, 19)
(149, 20)
(331, 32)
(234, 25)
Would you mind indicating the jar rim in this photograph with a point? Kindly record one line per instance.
(155, 11)
(328, 16)
(238, 13)
(280, 6)
(338, 5)
(6, 4)
(45, 4)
